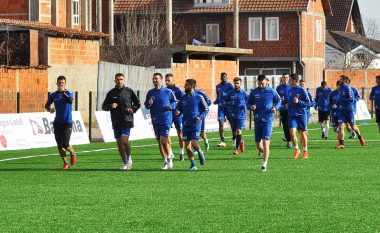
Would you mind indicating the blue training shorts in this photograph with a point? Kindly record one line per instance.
(190, 135)
(346, 116)
(334, 119)
(161, 130)
(177, 120)
(298, 122)
(237, 124)
(262, 131)
(222, 115)
(121, 132)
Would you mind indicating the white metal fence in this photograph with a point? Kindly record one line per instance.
(138, 78)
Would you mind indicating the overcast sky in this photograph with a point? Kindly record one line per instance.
(370, 9)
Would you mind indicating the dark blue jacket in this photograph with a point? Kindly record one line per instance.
(192, 106)
(63, 106)
(375, 96)
(333, 99)
(264, 99)
(162, 98)
(299, 108)
(282, 91)
(236, 102)
(346, 98)
(321, 99)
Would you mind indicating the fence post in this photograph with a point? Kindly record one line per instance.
(76, 101)
(363, 93)
(245, 84)
(18, 102)
(90, 115)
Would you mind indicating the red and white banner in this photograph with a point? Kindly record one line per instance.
(35, 130)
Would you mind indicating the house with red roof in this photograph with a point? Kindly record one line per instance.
(286, 36)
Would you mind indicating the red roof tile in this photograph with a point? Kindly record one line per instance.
(187, 6)
(66, 32)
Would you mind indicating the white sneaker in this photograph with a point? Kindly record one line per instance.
(222, 144)
(124, 167)
(263, 168)
(170, 163)
(165, 167)
(129, 164)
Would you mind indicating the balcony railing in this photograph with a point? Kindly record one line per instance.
(207, 3)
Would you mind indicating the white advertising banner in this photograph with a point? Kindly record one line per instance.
(362, 112)
(35, 130)
(143, 127)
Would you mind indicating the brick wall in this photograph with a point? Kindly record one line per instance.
(14, 9)
(61, 4)
(45, 11)
(201, 70)
(67, 51)
(31, 83)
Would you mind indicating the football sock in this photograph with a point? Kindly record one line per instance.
(73, 154)
(238, 141)
(193, 163)
(264, 164)
(233, 136)
(327, 126)
(206, 141)
(181, 151)
(359, 137)
(305, 148)
(124, 158)
(341, 142)
(296, 147)
(222, 139)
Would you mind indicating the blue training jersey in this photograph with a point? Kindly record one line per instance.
(346, 98)
(375, 96)
(192, 106)
(333, 99)
(282, 91)
(207, 99)
(300, 108)
(264, 99)
(321, 99)
(356, 97)
(63, 107)
(178, 93)
(221, 91)
(162, 98)
(236, 102)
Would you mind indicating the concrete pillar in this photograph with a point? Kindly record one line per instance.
(236, 24)
(111, 22)
(89, 16)
(169, 21)
(98, 15)
(84, 15)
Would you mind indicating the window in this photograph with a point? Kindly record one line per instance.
(75, 12)
(155, 33)
(252, 72)
(254, 29)
(267, 71)
(212, 33)
(281, 71)
(272, 28)
(144, 31)
(318, 30)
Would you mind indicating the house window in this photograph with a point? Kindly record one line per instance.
(267, 71)
(318, 30)
(212, 33)
(272, 28)
(155, 33)
(144, 32)
(75, 12)
(254, 29)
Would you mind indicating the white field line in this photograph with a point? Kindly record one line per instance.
(149, 145)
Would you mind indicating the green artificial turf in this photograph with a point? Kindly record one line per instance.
(332, 191)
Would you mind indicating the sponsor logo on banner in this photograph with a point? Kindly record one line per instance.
(35, 130)
(362, 112)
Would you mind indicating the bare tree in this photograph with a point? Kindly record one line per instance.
(140, 38)
(372, 28)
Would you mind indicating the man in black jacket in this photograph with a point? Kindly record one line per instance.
(122, 102)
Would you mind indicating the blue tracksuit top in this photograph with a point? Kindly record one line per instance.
(333, 99)
(312, 103)
(321, 99)
(161, 98)
(282, 89)
(264, 99)
(346, 98)
(192, 106)
(301, 107)
(375, 96)
(236, 101)
(356, 97)
(221, 91)
(177, 93)
(207, 99)
(63, 109)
